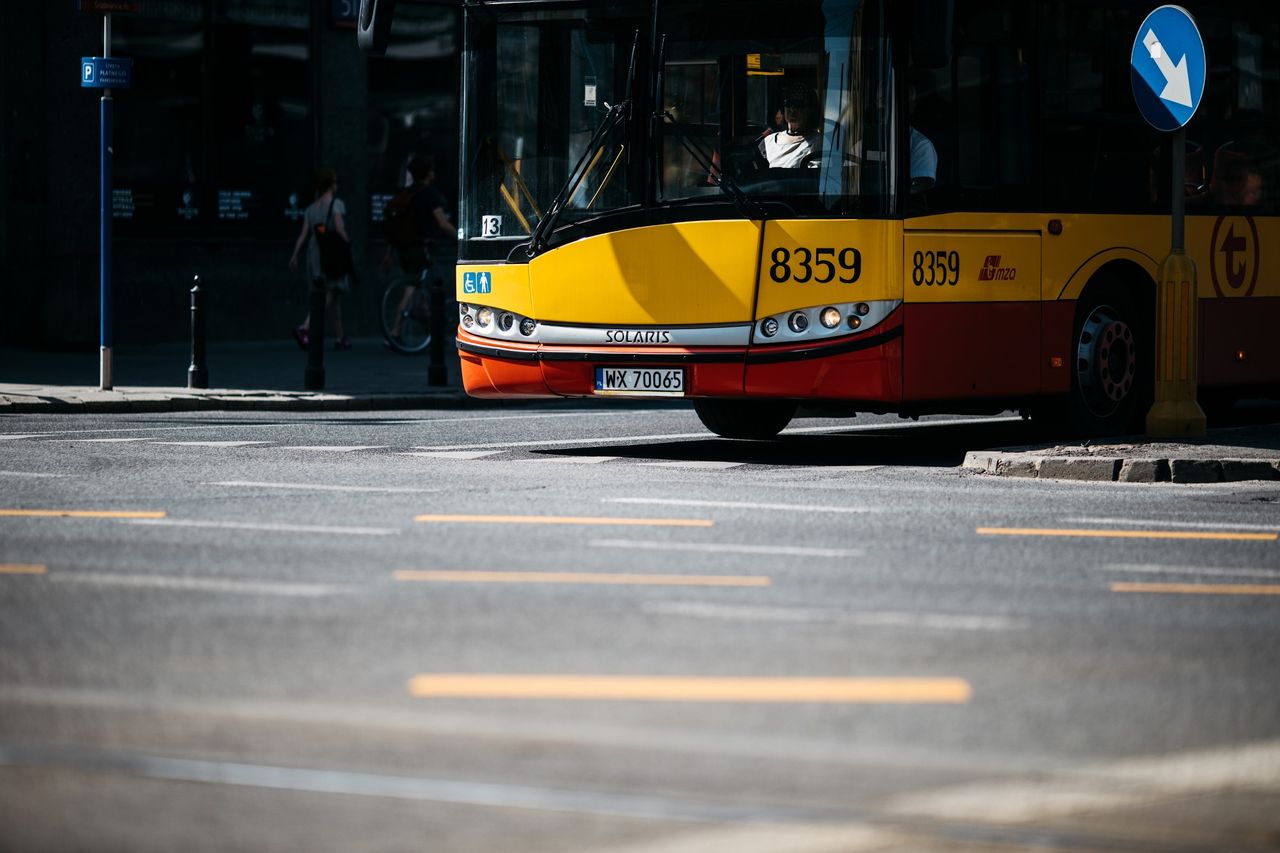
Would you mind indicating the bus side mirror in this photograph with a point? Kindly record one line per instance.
(374, 25)
(931, 25)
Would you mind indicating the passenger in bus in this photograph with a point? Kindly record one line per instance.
(798, 146)
(1235, 181)
(924, 157)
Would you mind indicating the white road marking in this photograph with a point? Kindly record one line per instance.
(335, 448)
(1163, 522)
(572, 460)
(205, 584)
(273, 528)
(724, 548)
(869, 618)
(1157, 569)
(840, 469)
(415, 788)
(739, 505)
(28, 474)
(17, 436)
(324, 487)
(704, 434)
(707, 464)
(770, 838)
(103, 440)
(452, 454)
(209, 443)
(1117, 785)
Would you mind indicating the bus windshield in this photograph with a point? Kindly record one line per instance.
(757, 104)
(789, 103)
(540, 87)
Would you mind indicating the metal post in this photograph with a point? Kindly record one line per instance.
(1179, 192)
(313, 379)
(198, 372)
(1175, 413)
(105, 343)
(437, 372)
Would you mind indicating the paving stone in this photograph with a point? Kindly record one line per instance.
(1144, 471)
(1195, 471)
(1017, 467)
(1250, 469)
(1070, 468)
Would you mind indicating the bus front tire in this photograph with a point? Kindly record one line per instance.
(1112, 365)
(752, 419)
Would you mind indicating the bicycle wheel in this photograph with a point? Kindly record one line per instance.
(412, 312)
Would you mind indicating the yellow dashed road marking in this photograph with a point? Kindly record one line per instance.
(22, 569)
(1199, 588)
(691, 689)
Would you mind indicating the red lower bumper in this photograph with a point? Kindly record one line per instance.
(863, 367)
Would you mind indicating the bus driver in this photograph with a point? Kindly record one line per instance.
(798, 145)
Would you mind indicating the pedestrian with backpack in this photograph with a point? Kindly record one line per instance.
(329, 267)
(410, 220)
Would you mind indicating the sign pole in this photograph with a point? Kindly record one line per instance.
(1167, 69)
(105, 342)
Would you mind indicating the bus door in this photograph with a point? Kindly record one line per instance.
(972, 309)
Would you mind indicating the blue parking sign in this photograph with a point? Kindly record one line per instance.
(1167, 68)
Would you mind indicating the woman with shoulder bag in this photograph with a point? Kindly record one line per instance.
(328, 260)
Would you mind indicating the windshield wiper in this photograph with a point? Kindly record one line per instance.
(618, 114)
(747, 206)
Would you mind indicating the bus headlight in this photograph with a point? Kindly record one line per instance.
(829, 317)
(798, 321)
(492, 322)
(769, 327)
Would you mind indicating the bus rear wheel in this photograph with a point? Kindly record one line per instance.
(1111, 376)
(753, 419)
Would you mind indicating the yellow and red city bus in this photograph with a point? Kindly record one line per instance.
(977, 223)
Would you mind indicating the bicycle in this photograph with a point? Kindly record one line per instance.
(413, 311)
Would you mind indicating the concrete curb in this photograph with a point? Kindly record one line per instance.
(1108, 469)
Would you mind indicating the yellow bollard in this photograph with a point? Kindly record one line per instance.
(1175, 413)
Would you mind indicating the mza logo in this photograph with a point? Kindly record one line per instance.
(476, 282)
(992, 271)
(1235, 255)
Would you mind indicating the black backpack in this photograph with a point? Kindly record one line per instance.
(399, 223)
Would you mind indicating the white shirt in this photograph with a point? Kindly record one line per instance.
(785, 150)
(924, 157)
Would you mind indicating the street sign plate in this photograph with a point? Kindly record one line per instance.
(1167, 68)
(108, 6)
(109, 72)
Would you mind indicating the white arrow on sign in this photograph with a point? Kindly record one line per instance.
(1177, 83)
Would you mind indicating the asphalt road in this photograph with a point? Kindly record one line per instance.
(602, 629)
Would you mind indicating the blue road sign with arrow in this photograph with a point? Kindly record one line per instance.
(1167, 68)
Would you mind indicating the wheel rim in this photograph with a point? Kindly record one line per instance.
(415, 331)
(1106, 361)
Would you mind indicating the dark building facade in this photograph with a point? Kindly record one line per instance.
(234, 103)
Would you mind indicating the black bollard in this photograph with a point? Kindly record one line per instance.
(314, 378)
(198, 372)
(437, 372)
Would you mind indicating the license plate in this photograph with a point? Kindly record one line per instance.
(649, 381)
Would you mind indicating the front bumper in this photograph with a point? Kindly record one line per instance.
(865, 366)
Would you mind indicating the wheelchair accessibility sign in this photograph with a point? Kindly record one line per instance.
(477, 282)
